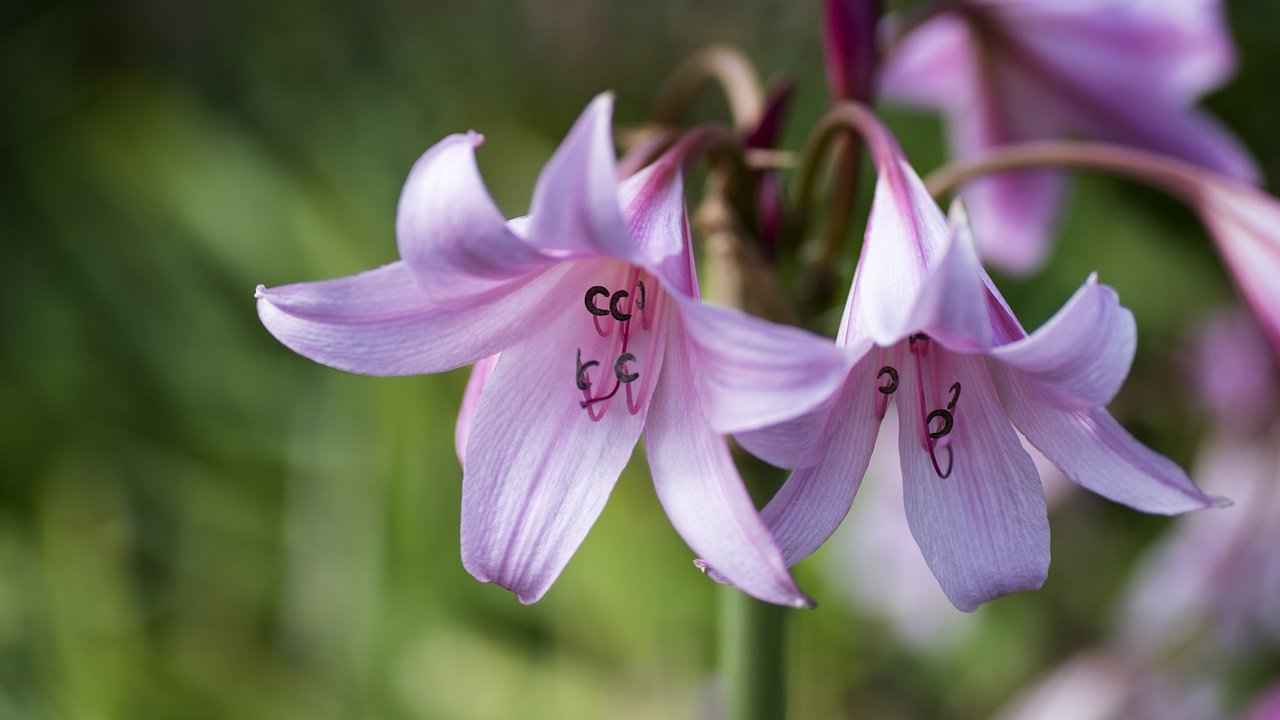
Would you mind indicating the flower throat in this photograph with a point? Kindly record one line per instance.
(612, 312)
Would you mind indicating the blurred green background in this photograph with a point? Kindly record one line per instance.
(196, 523)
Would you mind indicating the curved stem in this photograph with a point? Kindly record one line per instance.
(1173, 176)
(730, 69)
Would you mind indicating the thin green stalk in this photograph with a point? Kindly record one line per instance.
(753, 657)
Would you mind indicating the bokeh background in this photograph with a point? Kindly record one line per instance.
(196, 523)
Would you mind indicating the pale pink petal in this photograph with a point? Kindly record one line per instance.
(809, 507)
(700, 488)
(1245, 224)
(538, 468)
(379, 323)
(932, 66)
(480, 373)
(795, 443)
(983, 529)
(906, 231)
(1179, 49)
(952, 304)
(575, 202)
(653, 205)
(1084, 351)
(1091, 448)
(752, 373)
(449, 231)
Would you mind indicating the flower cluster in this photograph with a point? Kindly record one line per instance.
(586, 329)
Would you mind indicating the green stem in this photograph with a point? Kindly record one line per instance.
(753, 657)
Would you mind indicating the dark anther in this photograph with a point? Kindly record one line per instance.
(613, 306)
(640, 297)
(592, 292)
(582, 370)
(955, 396)
(620, 368)
(893, 380)
(946, 423)
(918, 336)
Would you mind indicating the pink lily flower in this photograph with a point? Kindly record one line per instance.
(925, 326)
(585, 320)
(1122, 71)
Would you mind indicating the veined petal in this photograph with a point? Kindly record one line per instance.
(983, 529)
(1245, 223)
(538, 466)
(379, 323)
(951, 306)
(700, 488)
(449, 231)
(906, 231)
(753, 373)
(1091, 448)
(809, 507)
(480, 373)
(653, 205)
(1084, 350)
(575, 202)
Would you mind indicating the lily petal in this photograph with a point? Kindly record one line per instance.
(653, 205)
(753, 373)
(1244, 223)
(378, 322)
(1092, 449)
(701, 491)
(952, 305)
(1084, 350)
(905, 232)
(538, 468)
(983, 529)
(575, 209)
(449, 231)
(480, 373)
(814, 500)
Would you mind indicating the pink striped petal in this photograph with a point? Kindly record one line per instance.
(1084, 351)
(538, 468)
(480, 373)
(814, 500)
(700, 488)
(1092, 449)
(752, 373)
(379, 323)
(983, 529)
(575, 209)
(449, 231)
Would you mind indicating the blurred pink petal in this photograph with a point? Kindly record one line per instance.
(1006, 71)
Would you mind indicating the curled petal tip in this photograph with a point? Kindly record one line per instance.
(475, 138)
(259, 292)
(1221, 502)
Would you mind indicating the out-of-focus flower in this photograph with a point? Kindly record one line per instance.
(591, 308)
(1217, 577)
(925, 325)
(1107, 684)
(849, 47)
(1124, 71)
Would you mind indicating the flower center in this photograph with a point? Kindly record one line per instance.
(618, 313)
(935, 430)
